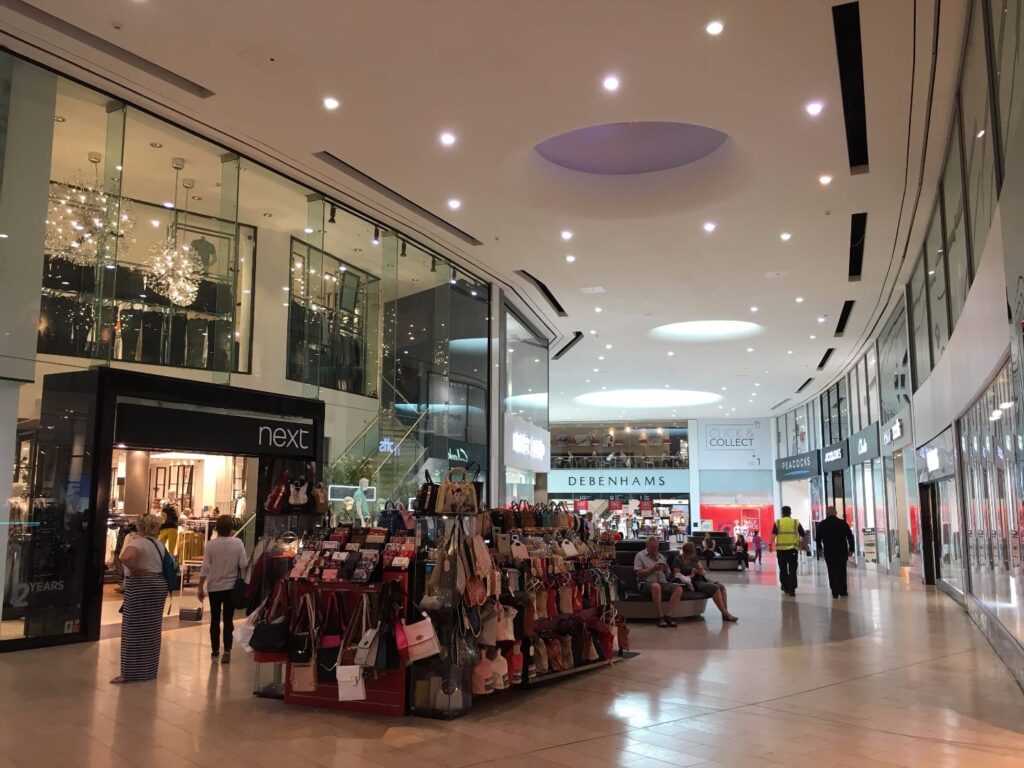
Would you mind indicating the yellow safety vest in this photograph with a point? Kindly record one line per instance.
(788, 536)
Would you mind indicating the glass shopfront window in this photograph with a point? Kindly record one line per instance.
(871, 365)
(894, 365)
(978, 139)
(938, 297)
(989, 466)
(1008, 61)
(919, 324)
(954, 217)
(526, 369)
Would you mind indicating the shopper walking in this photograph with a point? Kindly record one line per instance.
(788, 538)
(224, 562)
(145, 590)
(835, 538)
(757, 543)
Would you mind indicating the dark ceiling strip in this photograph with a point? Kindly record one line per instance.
(382, 189)
(804, 386)
(846, 24)
(577, 337)
(78, 34)
(545, 292)
(844, 317)
(825, 358)
(780, 403)
(858, 231)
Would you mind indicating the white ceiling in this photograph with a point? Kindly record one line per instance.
(505, 76)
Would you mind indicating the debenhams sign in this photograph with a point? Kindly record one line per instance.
(619, 481)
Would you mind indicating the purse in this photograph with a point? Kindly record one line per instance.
(519, 550)
(540, 656)
(302, 678)
(369, 643)
(426, 499)
(350, 683)
(457, 494)
(568, 659)
(565, 599)
(274, 503)
(302, 637)
(421, 639)
(554, 654)
(483, 676)
(489, 618)
(270, 634)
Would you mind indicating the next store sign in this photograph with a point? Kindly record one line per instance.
(625, 482)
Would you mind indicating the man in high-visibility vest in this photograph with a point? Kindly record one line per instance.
(788, 538)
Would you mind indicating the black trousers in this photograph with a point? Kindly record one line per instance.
(221, 603)
(788, 561)
(836, 574)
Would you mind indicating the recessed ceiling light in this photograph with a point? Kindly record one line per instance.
(447, 138)
(610, 83)
(979, 134)
(600, 357)
(119, 167)
(757, 384)
(196, 197)
(813, 337)
(154, 222)
(168, 204)
(931, 271)
(308, 230)
(714, 28)
(593, 332)
(799, 299)
(597, 309)
(607, 346)
(156, 145)
(750, 401)
(822, 318)
(721, 407)
(570, 258)
(566, 234)
(789, 351)
(750, 349)
(724, 389)
(647, 398)
(455, 204)
(671, 353)
(814, 108)
(58, 119)
(331, 103)
(597, 370)
(706, 330)
(784, 236)
(709, 226)
(268, 215)
(753, 309)
(824, 180)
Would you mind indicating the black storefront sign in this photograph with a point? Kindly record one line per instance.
(798, 467)
(167, 427)
(864, 445)
(836, 456)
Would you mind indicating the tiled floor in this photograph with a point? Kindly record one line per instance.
(894, 676)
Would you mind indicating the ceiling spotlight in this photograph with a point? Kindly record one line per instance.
(824, 180)
(156, 145)
(597, 309)
(789, 351)
(168, 204)
(596, 370)
(593, 332)
(607, 346)
(980, 134)
(566, 234)
(376, 236)
(784, 236)
(600, 357)
(611, 83)
(709, 226)
(714, 28)
(455, 204)
(799, 299)
(331, 103)
(308, 230)
(757, 384)
(671, 353)
(813, 337)
(753, 309)
(822, 318)
(154, 222)
(447, 138)
(58, 119)
(750, 401)
(750, 349)
(814, 108)
(570, 258)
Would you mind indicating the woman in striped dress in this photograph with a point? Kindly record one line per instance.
(145, 591)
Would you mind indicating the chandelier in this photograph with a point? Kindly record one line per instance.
(84, 224)
(176, 269)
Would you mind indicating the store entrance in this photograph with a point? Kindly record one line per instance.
(942, 539)
(189, 491)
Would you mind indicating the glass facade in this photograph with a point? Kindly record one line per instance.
(526, 371)
(894, 365)
(919, 322)
(938, 296)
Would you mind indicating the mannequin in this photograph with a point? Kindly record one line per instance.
(362, 507)
(347, 505)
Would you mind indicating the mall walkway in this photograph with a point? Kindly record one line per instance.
(895, 676)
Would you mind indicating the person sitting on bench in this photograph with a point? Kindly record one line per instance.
(652, 574)
(689, 565)
(709, 550)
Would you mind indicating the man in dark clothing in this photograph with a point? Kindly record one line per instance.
(836, 539)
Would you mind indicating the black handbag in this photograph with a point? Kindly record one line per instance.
(270, 635)
(478, 484)
(302, 637)
(426, 499)
(331, 638)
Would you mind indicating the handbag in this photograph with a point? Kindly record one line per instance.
(350, 683)
(274, 503)
(302, 637)
(302, 678)
(489, 617)
(426, 499)
(270, 633)
(506, 623)
(568, 659)
(483, 676)
(369, 643)
(540, 655)
(565, 599)
(569, 549)
(457, 494)
(421, 639)
(320, 499)
(519, 550)
(554, 654)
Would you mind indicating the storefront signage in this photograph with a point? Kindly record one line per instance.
(937, 459)
(619, 481)
(835, 456)
(734, 444)
(167, 427)
(895, 434)
(798, 467)
(526, 446)
(864, 445)
(458, 455)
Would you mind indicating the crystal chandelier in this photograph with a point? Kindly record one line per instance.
(84, 224)
(176, 269)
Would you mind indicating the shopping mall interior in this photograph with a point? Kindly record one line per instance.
(568, 383)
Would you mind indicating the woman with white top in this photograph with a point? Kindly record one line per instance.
(145, 591)
(224, 562)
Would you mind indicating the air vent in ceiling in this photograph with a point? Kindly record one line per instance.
(780, 403)
(577, 337)
(804, 386)
(825, 358)
(858, 230)
(545, 292)
(385, 191)
(95, 42)
(846, 24)
(844, 317)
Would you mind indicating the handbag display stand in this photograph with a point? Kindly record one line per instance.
(385, 693)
